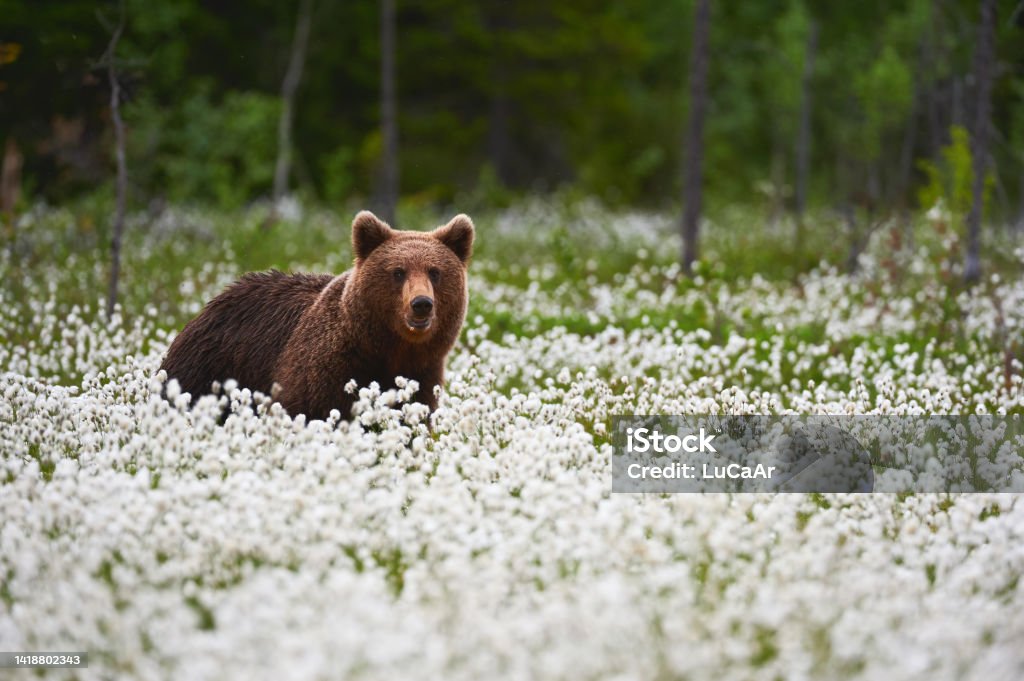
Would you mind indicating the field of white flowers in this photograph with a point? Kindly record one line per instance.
(168, 546)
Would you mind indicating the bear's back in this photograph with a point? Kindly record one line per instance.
(241, 333)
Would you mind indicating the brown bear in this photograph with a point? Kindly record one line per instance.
(302, 337)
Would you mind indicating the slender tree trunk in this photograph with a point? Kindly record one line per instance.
(927, 74)
(983, 67)
(934, 126)
(906, 168)
(388, 113)
(778, 184)
(845, 208)
(1020, 208)
(10, 186)
(122, 168)
(803, 140)
(498, 138)
(499, 132)
(694, 152)
(292, 78)
(499, 144)
(957, 99)
(907, 155)
(919, 102)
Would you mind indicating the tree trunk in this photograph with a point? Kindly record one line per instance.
(694, 151)
(957, 101)
(499, 131)
(498, 139)
(920, 99)
(803, 140)
(10, 186)
(1020, 208)
(122, 168)
(388, 114)
(983, 67)
(292, 78)
(934, 126)
(907, 158)
(777, 200)
(929, 80)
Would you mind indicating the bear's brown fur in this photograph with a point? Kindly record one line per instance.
(302, 337)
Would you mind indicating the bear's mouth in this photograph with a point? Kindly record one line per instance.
(415, 324)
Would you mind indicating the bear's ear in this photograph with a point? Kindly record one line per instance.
(368, 232)
(458, 236)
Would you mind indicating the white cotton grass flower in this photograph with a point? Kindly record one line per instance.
(482, 541)
(289, 208)
(938, 212)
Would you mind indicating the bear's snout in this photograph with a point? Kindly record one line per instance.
(422, 306)
(418, 306)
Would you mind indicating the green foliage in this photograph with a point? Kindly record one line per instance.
(488, 192)
(885, 90)
(784, 68)
(495, 99)
(338, 175)
(950, 180)
(1017, 123)
(564, 257)
(231, 146)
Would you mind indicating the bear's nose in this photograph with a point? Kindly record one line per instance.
(422, 305)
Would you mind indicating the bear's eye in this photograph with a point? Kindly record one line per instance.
(399, 274)
(435, 274)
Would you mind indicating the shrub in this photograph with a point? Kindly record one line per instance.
(204, 149)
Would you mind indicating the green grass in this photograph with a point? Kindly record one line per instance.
(566, 252)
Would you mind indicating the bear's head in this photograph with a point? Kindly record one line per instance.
(413, 282)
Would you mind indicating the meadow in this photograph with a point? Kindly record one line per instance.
(170, 546)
